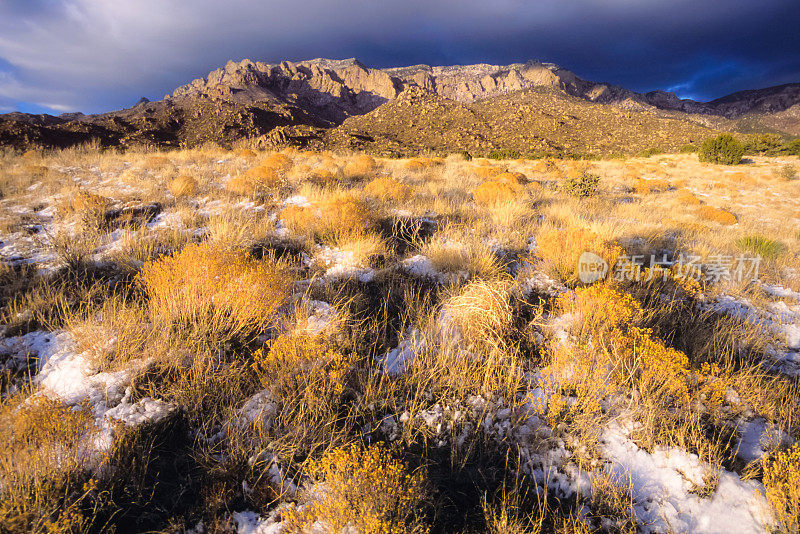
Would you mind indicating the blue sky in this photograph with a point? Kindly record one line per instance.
(99, 55)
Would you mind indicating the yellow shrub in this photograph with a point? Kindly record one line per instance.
(491, 193)
(687, 197)
(303, 367)
(246, 153)
(365, 490)
(212, 295)
(183, 185)
(338, 216)
(323, 178)
(386, 189)
(487, 172)
(710, 213)
(278, 161)
(561, 249)
(414, 165)
(782, 482)
(628, 355)
(263, 176)
(360, 167)
(644, 187)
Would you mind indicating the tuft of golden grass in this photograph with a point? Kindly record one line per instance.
(483, 313)
(495, 192)
(211, 295)
(560, 248)
(388, 189)
(360, 167)
(718, 215)
(184, 185)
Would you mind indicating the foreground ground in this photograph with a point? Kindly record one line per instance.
(240, 341)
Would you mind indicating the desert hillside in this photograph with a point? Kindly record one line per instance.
(528, 106)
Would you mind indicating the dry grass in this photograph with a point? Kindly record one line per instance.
(210, 295)
(218, 326)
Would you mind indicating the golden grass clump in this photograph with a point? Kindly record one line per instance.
(278, 161)
(360, 167)
(323, 177)
(263, 176)
(86, 202)
(365, 490)
(211, 295)
(245, 153)
(414, 165)
(493, 193)
(782, 482)
(337, 217)
(561, 248)
(156, 161)
(388, 189)
(687, 197)
(184, 185)
(644, 187)
(487, 172)
(511, 178)
(483, 313)
(710, 213)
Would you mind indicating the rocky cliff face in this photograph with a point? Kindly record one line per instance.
(263, 100)
(337, 89)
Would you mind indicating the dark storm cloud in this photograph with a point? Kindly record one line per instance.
(96, 55)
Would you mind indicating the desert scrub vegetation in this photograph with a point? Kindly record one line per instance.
(723, 149)
(354, 342)
(211, 295)
(363, 488)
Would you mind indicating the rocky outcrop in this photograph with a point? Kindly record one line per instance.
(251, 99)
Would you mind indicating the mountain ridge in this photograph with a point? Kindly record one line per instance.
(294, 102)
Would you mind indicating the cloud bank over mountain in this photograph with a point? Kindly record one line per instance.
(97, 55)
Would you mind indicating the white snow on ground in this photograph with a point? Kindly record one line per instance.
(249, 522)
(778, 317)
(662, 482)
(323, 318)
(757, 437)
(399, 357)
(68, 376)
(421, 266)
(297, 200)
(259, 408)
(342, 264)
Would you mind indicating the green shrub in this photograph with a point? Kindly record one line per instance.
(648, 152)
(505, 153)
(762, 143)
(583, 185)
(687, 149)
(723, 149)
(787, 172)
(763, 246)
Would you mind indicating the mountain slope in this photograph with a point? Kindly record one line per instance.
(291, 102)
(541, 119)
